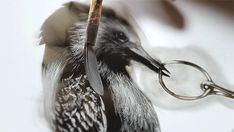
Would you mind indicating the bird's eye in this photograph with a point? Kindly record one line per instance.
(120, 36)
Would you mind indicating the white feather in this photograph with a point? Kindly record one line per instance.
(50, 81)
(134, 108)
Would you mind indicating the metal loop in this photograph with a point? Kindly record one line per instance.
(208, 86)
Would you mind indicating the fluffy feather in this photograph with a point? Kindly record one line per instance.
(50, 79)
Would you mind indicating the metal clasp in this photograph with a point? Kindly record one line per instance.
(216, 89)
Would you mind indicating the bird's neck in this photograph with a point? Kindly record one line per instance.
(134, 108)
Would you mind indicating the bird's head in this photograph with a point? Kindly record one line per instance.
(117, 44)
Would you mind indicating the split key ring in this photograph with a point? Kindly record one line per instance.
(207, 86)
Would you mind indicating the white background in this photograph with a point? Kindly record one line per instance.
(205, 25)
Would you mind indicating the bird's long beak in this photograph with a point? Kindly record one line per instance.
(140, 55)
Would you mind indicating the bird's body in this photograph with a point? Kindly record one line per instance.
(71, 103)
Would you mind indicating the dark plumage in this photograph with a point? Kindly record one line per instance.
(71, 103)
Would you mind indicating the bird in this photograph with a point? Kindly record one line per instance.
(70, 103)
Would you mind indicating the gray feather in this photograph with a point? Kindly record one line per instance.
(92, 71)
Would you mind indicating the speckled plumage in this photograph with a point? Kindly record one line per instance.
(78, 107)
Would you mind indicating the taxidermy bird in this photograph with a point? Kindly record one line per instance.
(71, 104)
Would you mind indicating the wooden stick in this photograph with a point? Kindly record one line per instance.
(93, 21)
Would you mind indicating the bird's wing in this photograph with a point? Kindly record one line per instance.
(78, 107)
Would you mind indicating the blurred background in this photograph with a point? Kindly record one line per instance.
(201, 31)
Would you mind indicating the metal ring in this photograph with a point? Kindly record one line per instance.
(204, 94)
